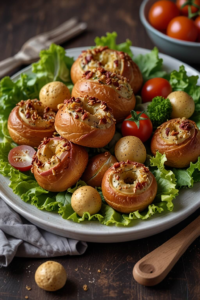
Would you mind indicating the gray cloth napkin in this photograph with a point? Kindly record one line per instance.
(20, 238)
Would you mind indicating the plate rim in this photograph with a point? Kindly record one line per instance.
(166, 223)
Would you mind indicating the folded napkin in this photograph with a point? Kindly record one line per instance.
(20, 238)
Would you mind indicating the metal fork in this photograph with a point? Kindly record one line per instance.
(31, 49)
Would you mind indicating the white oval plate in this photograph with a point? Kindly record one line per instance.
(184, 205)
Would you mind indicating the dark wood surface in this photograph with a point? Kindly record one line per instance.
(20, 20)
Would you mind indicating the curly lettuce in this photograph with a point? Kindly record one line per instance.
(187, 177)
(53, 65)
(25, 186)
(166, 180)
(150, 65)
(180, 81)
(110, 41)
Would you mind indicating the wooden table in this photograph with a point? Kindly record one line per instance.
(20, 20)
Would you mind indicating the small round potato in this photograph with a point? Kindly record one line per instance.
(50, 276)
(182, 105)
(130, 148)
(54, 93)
(86, 199)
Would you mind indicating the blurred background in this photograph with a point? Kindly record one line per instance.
(21, 20)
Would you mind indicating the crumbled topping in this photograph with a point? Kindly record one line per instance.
(33, 113)
(130, 177)
(173, 133)
(176, 130)
(118, 82)
(49, 154)
(111, 60)
(167, 131)
(116, 165)
(185, 125)
(91, 110)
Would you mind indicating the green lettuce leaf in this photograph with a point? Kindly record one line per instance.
(184, 179)
(150, 65)
(53, 65)
(24, 185)
(194, 170)
(180, 81)
(79, 184)
(166, 180)
(108, 216)
(187, 177)
(110, 41)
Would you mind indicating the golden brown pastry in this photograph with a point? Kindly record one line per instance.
(129, 186)
(179, 139)
(96, 168)
(109, 87)
(58, 164)
(85, 121)
(29, 122)
(111, 60)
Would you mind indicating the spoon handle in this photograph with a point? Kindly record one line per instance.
(154, 267)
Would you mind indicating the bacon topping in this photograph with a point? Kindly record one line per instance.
(116, 63)
(84, 116)
(185, 125)
(116, 165)
(88, 74)
(174, 133)
(88, 58)
(167, 131)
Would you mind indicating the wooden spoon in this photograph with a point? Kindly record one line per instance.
(154, 267)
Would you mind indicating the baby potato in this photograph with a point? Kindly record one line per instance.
(50, 276)
(182, 105)
(130, 148)
(54, 93)
(86, 199)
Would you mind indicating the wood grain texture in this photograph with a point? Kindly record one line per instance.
(20, 20)
(154, 267)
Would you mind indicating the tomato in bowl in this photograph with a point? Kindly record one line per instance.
(183, 50)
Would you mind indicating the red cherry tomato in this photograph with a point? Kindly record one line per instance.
(161, 13)
(155, 87)
(184, 10)
(21, 157)
(197, 23)
(182, 28)
(143, 132)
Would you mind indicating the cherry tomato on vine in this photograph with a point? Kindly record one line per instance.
(20, 157)
(161, 13)
(155, 87)
(197, 23)
(137, 124)
(182, 28)
(184, 10)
